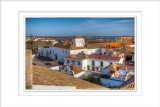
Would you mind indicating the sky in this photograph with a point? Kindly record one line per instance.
(80, 26)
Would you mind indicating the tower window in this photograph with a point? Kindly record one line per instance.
(92, 63)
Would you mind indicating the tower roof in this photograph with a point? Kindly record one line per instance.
(78, 36)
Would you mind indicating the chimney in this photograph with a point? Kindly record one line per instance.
(126, 69)
(28, 69)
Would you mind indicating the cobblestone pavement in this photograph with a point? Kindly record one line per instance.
(42, 62)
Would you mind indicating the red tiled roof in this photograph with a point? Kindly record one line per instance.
(104, 57)
(75, 69)
(128, 63)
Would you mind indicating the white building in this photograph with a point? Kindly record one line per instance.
(72, 70)
(93, 62)
(62, 49)
(116, 74)
(96, 62)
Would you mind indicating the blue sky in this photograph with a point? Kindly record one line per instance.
(80, 26)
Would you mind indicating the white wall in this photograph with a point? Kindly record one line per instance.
(79, 75)
(78, 42)
(94, 51)
(67, 70)
(86, 51)
(75, 52)
(52, 87)
(112, 81)
(61, 53)
(55, 68)
(121, 60)
(106, 63)
(84, 64)
(70, 62)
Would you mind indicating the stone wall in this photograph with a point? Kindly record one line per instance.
(28, 69)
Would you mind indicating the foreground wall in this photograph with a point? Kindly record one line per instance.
(28, 69)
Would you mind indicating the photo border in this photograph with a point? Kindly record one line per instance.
(135, 27)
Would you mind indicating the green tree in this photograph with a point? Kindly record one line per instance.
(92, 79)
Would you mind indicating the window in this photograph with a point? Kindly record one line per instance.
(101, 64)
(92, 68)
(66, 51)
(53, 51)
(68, 61)
(79, 63)
(50, 51)
(110, 63)
(88, 67)
(73, 62)
(97, 68)
(63, 51)
(92, 63)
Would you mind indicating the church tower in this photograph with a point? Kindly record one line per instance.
(78, 41)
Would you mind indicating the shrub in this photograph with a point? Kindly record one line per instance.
(92, 79)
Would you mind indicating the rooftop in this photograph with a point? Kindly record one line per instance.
(69, 45)
(95, 45)
(104, 57)
(78, 36)
(46, 39)
(115, 67)
(46, 76)
(125, 36)
(79, 56)
(75, 69)
(129, 84)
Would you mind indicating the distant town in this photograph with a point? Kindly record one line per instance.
(80, 62)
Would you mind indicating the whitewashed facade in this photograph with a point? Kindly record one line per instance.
(60, 53)
(113, 80)
(97, 65)
(78, 42)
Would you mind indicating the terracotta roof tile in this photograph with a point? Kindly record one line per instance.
(115, 67)
(95, 45)
(46, 76)
(129, 84)
(78, 36)
(46, 39)
(67, 45)
(104, 57)
(75, 69)
(79, 56)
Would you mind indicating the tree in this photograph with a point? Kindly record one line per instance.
(48, 43)
(92, 79)
(128, 57)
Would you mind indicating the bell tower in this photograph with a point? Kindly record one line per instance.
(78, 41)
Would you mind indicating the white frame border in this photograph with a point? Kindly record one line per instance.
(24, 14)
